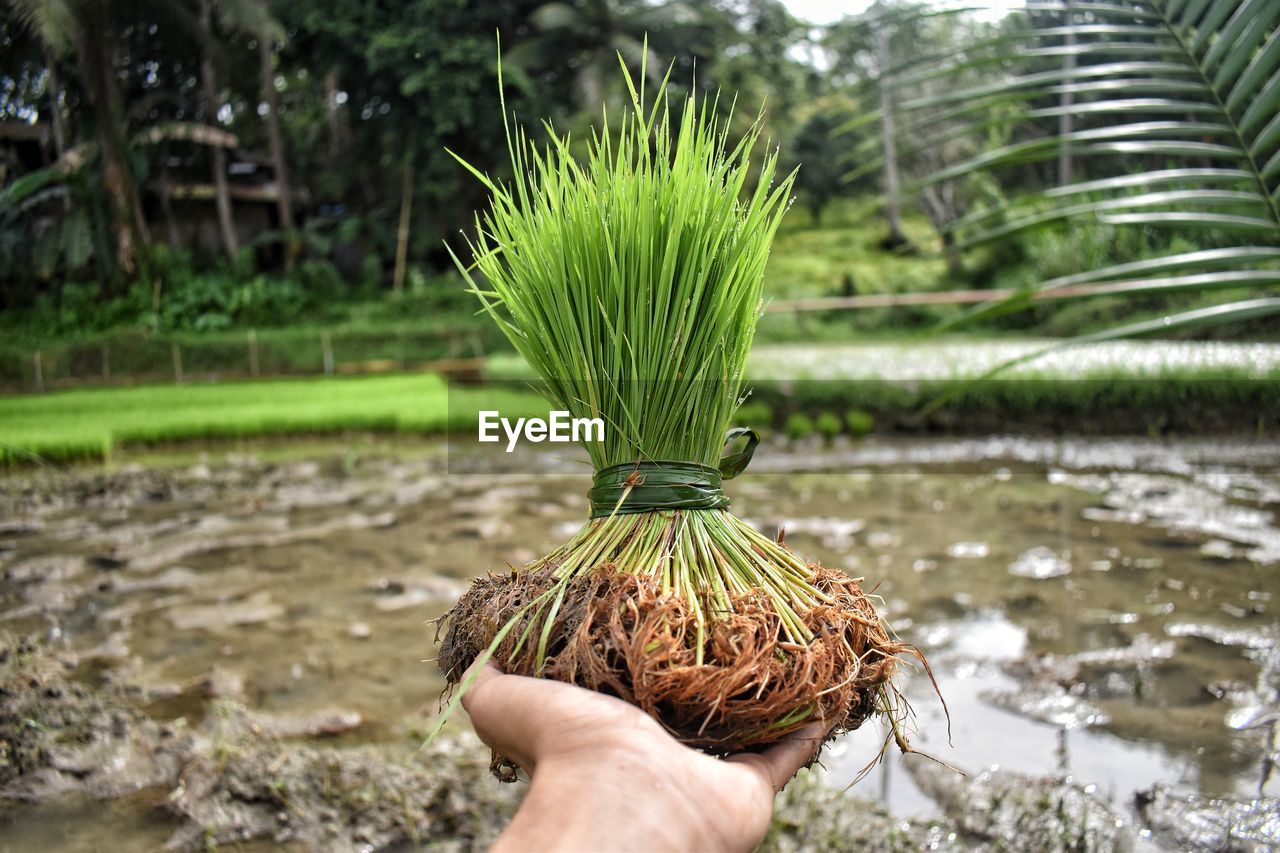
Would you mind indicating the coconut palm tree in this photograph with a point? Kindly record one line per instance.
(212, 103)
(872, 50)
(269, 35)
(88, 29)
(1176, 108)
(590, 35)
(84, 27)
(254, 18)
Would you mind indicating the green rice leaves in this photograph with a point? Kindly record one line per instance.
(631, 280)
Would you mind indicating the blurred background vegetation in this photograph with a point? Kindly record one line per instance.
(268, 178)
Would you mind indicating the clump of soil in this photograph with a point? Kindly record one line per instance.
(58, 735)
(324, 798)
(735, 684)
(228, 781)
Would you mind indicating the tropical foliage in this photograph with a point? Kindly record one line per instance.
(346, 108)
(1173, 104)
(1123, 154)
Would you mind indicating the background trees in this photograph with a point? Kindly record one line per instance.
(336, 115)
(158, 153)
(1170, 109)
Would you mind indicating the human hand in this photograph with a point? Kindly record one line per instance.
(606, 776)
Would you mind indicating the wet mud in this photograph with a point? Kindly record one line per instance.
(235, 647)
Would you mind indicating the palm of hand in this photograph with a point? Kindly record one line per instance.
(631, 785)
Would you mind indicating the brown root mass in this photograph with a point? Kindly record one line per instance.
(617, 633)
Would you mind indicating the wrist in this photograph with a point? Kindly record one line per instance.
(615, 798)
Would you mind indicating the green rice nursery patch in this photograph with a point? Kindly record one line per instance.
(90, 423)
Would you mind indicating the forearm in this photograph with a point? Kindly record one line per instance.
(605, 803)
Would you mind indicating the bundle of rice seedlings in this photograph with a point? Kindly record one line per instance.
(631, 282)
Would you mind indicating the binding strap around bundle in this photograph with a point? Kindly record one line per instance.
(653, 486)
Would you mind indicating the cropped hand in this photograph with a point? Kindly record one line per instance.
(606, 776)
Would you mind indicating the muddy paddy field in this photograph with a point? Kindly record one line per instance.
(232, 648)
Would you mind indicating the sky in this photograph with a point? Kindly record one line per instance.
(827, 11)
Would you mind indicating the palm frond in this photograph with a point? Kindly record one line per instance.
(1179, 99)
(51, 21)
(250, 16)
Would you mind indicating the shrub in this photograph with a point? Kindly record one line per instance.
(799, 425)
(755, 414)
(828, 426)
(860, 423)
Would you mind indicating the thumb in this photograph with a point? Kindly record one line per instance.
(780, 762)
(500, 710)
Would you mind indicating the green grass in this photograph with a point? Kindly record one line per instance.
(809, 260)
(90, 423)
(842, 255)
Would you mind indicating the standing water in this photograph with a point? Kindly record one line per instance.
(1096, 611)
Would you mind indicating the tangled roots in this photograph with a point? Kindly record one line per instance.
(617, 633)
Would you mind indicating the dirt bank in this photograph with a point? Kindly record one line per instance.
(231, 780)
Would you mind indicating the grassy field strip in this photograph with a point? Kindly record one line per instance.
(959, 359)
(1126, 387)
(89, 423)
(932, 360)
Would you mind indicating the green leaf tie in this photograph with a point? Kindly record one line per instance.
(653, 486)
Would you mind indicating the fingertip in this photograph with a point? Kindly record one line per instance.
(785, 758)
(498, 704)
